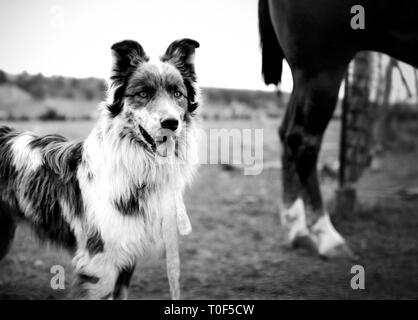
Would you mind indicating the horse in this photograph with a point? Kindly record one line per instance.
(318, 40)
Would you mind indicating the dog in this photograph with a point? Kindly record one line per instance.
(118, 195)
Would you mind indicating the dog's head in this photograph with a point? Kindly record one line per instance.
(155, 99)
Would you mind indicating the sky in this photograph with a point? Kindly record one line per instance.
(73, 38)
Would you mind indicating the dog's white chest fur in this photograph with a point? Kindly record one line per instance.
(115, 171)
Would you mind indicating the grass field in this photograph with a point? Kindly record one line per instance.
(238, 249)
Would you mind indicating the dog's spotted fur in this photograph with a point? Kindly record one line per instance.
(104, 197)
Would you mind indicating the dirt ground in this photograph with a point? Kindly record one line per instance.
(238, 249)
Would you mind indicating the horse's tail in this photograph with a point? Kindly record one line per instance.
(272, 53)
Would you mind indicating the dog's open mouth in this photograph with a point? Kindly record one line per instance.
(160, 140)
(165, 144)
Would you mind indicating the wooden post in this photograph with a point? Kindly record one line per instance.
(345, 196)
(355, 132)
(343, 133)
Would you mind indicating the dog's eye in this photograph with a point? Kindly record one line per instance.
(143, 94)
(177, 94)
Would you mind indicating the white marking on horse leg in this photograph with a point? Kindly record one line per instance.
(170, 235)
(294, 219)
(183, 221)
(328, 240)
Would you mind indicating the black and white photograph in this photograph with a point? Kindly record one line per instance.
(195, 150)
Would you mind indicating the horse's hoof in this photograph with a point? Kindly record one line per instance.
(341, 251)
(330, 243)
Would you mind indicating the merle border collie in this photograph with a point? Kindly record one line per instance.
(116, 196)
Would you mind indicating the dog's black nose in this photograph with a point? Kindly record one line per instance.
(170, 123)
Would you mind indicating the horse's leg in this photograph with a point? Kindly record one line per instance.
(292, 212)
(309, 111)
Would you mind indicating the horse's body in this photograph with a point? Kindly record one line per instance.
(317, 40)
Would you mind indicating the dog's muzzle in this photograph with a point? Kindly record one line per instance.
(163, 144)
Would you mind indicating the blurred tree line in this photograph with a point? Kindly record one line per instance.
(255, 99)
(40, 86)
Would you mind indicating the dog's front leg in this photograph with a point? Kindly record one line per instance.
(183, 221)
(95, 276)
(170, 235)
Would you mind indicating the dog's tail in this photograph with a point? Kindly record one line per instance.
(272, 53)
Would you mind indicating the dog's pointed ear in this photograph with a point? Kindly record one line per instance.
(181, 54)
(127, 56)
